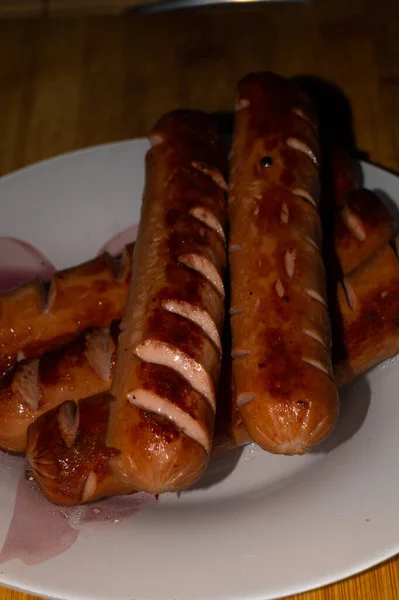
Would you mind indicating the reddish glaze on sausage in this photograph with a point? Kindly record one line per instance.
(169, 351)
(362, 226)
(368, 302)
(68, 455)
(377, 317)
(66, 446)
(34, 319)
(281, 338)
(75, 370)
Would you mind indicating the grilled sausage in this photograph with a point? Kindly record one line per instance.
(34, 319)
(64, 488)
(368, 320)
(362, 226)
(49, 381)
(169, 351)
(343, 175)
(279, 318)
(69, 458)
(66, 449)
(33, 386)
(369, 307)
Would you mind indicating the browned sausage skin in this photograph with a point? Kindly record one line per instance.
(66, 449)
(65, 373)
(169, 351)
(59, 437)
(33, 319)
(280, 325)
(368, 319)
(361, 227)
(368, 302)
(69, 372)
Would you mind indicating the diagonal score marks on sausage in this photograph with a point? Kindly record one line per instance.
(208, 218)
(239, 353)
(316, 296)
(314, 335)
(196, 315)
(349, 293)
(184, 422)
(68, 422)
(211, 172)
(299, 112)
(317, 364)
(244, 398)
(161, 353)
(299, 145)
(90, 486)
(235, 248)
(279, 288)
(305, 196)
(25, 383)
(284, 213)
(289, 261)
(235, 311)
(353, 223)
(312, 243)
(98, 352)
(205, 267)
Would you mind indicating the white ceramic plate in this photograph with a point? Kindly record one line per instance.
(258, 526)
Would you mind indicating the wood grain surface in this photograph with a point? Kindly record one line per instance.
(70, 83)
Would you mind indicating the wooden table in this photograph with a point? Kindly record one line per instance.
(66, 84)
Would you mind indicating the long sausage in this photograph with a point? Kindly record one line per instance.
(90, 295)
(34, 318)
(374, 316)
(67, 454)
(368, 321)
(65, 373)
(169, 351)
(280, 324)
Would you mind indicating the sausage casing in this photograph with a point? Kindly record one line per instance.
(368, 301)
(34, 319)
(361, 227)
(67, 452)
(80, 368)
(74, 438)
(281, 337)
(169, 350)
